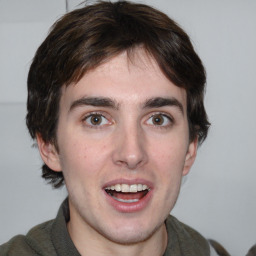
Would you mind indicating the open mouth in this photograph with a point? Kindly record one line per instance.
(127, 193)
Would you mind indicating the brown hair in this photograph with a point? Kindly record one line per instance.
(84, 38)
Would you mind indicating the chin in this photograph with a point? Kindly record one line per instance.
(129, 235)
(129, 239)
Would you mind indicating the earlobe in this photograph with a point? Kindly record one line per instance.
(48, 154)
(190, 156)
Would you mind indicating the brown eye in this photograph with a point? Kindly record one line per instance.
(158, 120)
(96, 119)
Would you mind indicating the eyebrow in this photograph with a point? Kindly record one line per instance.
(94, 101)
(159, 102)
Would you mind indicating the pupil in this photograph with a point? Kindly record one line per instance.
(96, 120)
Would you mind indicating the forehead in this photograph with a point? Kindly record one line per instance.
(128, 78)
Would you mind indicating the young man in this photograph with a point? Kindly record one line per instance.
(115, 102)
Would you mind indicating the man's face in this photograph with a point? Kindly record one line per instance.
(123, 148)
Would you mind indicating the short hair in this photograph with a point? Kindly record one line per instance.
(85, 38)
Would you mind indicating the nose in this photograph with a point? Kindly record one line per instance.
(130, 148)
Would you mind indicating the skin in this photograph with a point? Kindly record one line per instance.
(125, 138)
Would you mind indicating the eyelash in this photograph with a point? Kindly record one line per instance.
(169, 118)
(95, 114)
(166, 118)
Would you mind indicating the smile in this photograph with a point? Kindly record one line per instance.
(127, 193)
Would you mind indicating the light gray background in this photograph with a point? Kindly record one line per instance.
(218, 197)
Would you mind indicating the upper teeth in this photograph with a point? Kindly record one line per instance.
(128, 188)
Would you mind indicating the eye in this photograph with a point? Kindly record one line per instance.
(160, 120)
(96, 120)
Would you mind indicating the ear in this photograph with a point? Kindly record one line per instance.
(48, 154)
(190, 156)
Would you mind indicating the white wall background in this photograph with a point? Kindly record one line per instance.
(219, 196)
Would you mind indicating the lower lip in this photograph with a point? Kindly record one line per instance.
(130, 207)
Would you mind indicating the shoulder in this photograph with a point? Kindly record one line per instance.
(36, 242)
(184, 229)
(185, 238)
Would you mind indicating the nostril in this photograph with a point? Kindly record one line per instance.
(131, 164)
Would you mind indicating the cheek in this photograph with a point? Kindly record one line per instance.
(169, 161)
(170, 156)
(82, 157)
